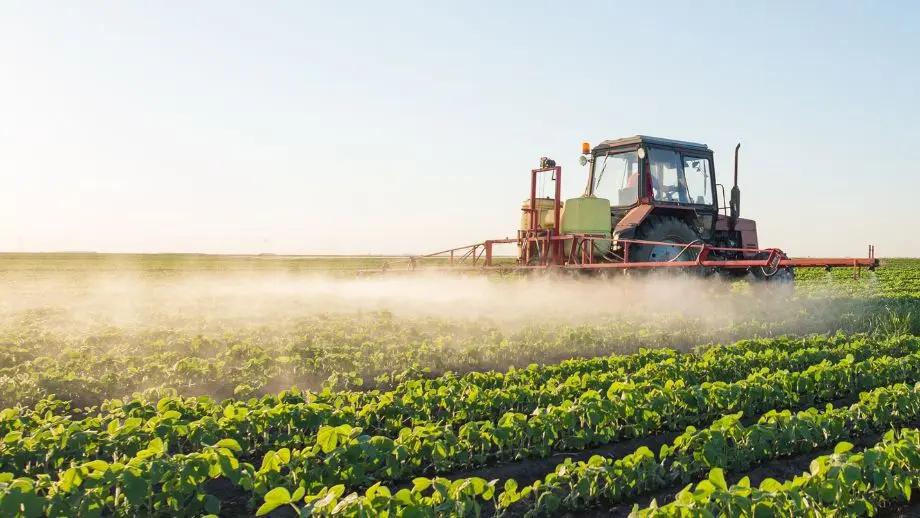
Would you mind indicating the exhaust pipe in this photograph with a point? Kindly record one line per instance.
(734, 205)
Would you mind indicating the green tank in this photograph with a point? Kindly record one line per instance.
(587, 215)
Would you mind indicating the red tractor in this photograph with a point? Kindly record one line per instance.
(650, 204)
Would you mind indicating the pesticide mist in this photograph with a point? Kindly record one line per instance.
(245, 333)
(214, 302)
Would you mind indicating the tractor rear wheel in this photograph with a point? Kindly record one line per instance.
(666, 229)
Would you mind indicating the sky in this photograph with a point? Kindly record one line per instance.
(409, 127)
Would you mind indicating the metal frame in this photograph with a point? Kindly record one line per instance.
(581, 257)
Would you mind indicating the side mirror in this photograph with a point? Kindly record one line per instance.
(582, 160)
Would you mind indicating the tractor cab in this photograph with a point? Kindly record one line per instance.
(652, 170)
(655, 175)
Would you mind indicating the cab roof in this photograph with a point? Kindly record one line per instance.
(645, 139)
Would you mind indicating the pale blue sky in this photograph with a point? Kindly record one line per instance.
(392, 127)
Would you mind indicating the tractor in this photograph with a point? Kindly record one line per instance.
(649, 202)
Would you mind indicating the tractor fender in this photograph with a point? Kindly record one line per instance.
(626, 227)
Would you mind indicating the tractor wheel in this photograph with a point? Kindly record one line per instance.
(666, 229)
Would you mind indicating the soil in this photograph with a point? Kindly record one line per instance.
(910, 510)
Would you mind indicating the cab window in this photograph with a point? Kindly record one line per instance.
(699, 184)
(616, 177)
(665, 168)
(680, 179)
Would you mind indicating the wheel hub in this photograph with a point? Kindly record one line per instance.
(664, 253)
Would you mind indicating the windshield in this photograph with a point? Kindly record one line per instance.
(616, 177)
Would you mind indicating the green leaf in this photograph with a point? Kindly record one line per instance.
(829, 492)
(489, 492)
(298, 494)
(372, 491)
(705, 487)
(70, 479)
(814, 467)
(156, 445)
(135, 488)
(763, 510)
(843, 447)
(771, 485)
(717, 477)
(278, 495)
(284, 454)
(230, 444)
(327, 438)
(851, 474)
(420, 484)
(414, 511)
(33, 506)
(711, 454)
(211, 504)
(96, 465)
(266, 508)
(403, 496)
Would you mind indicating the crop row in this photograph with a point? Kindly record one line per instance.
(845, 483)
(441, 401)
(163, 483)
(643, 365)
(42, 440)
(344, 456)
(726, 444)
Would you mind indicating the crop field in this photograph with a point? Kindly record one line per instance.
(287, 386)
